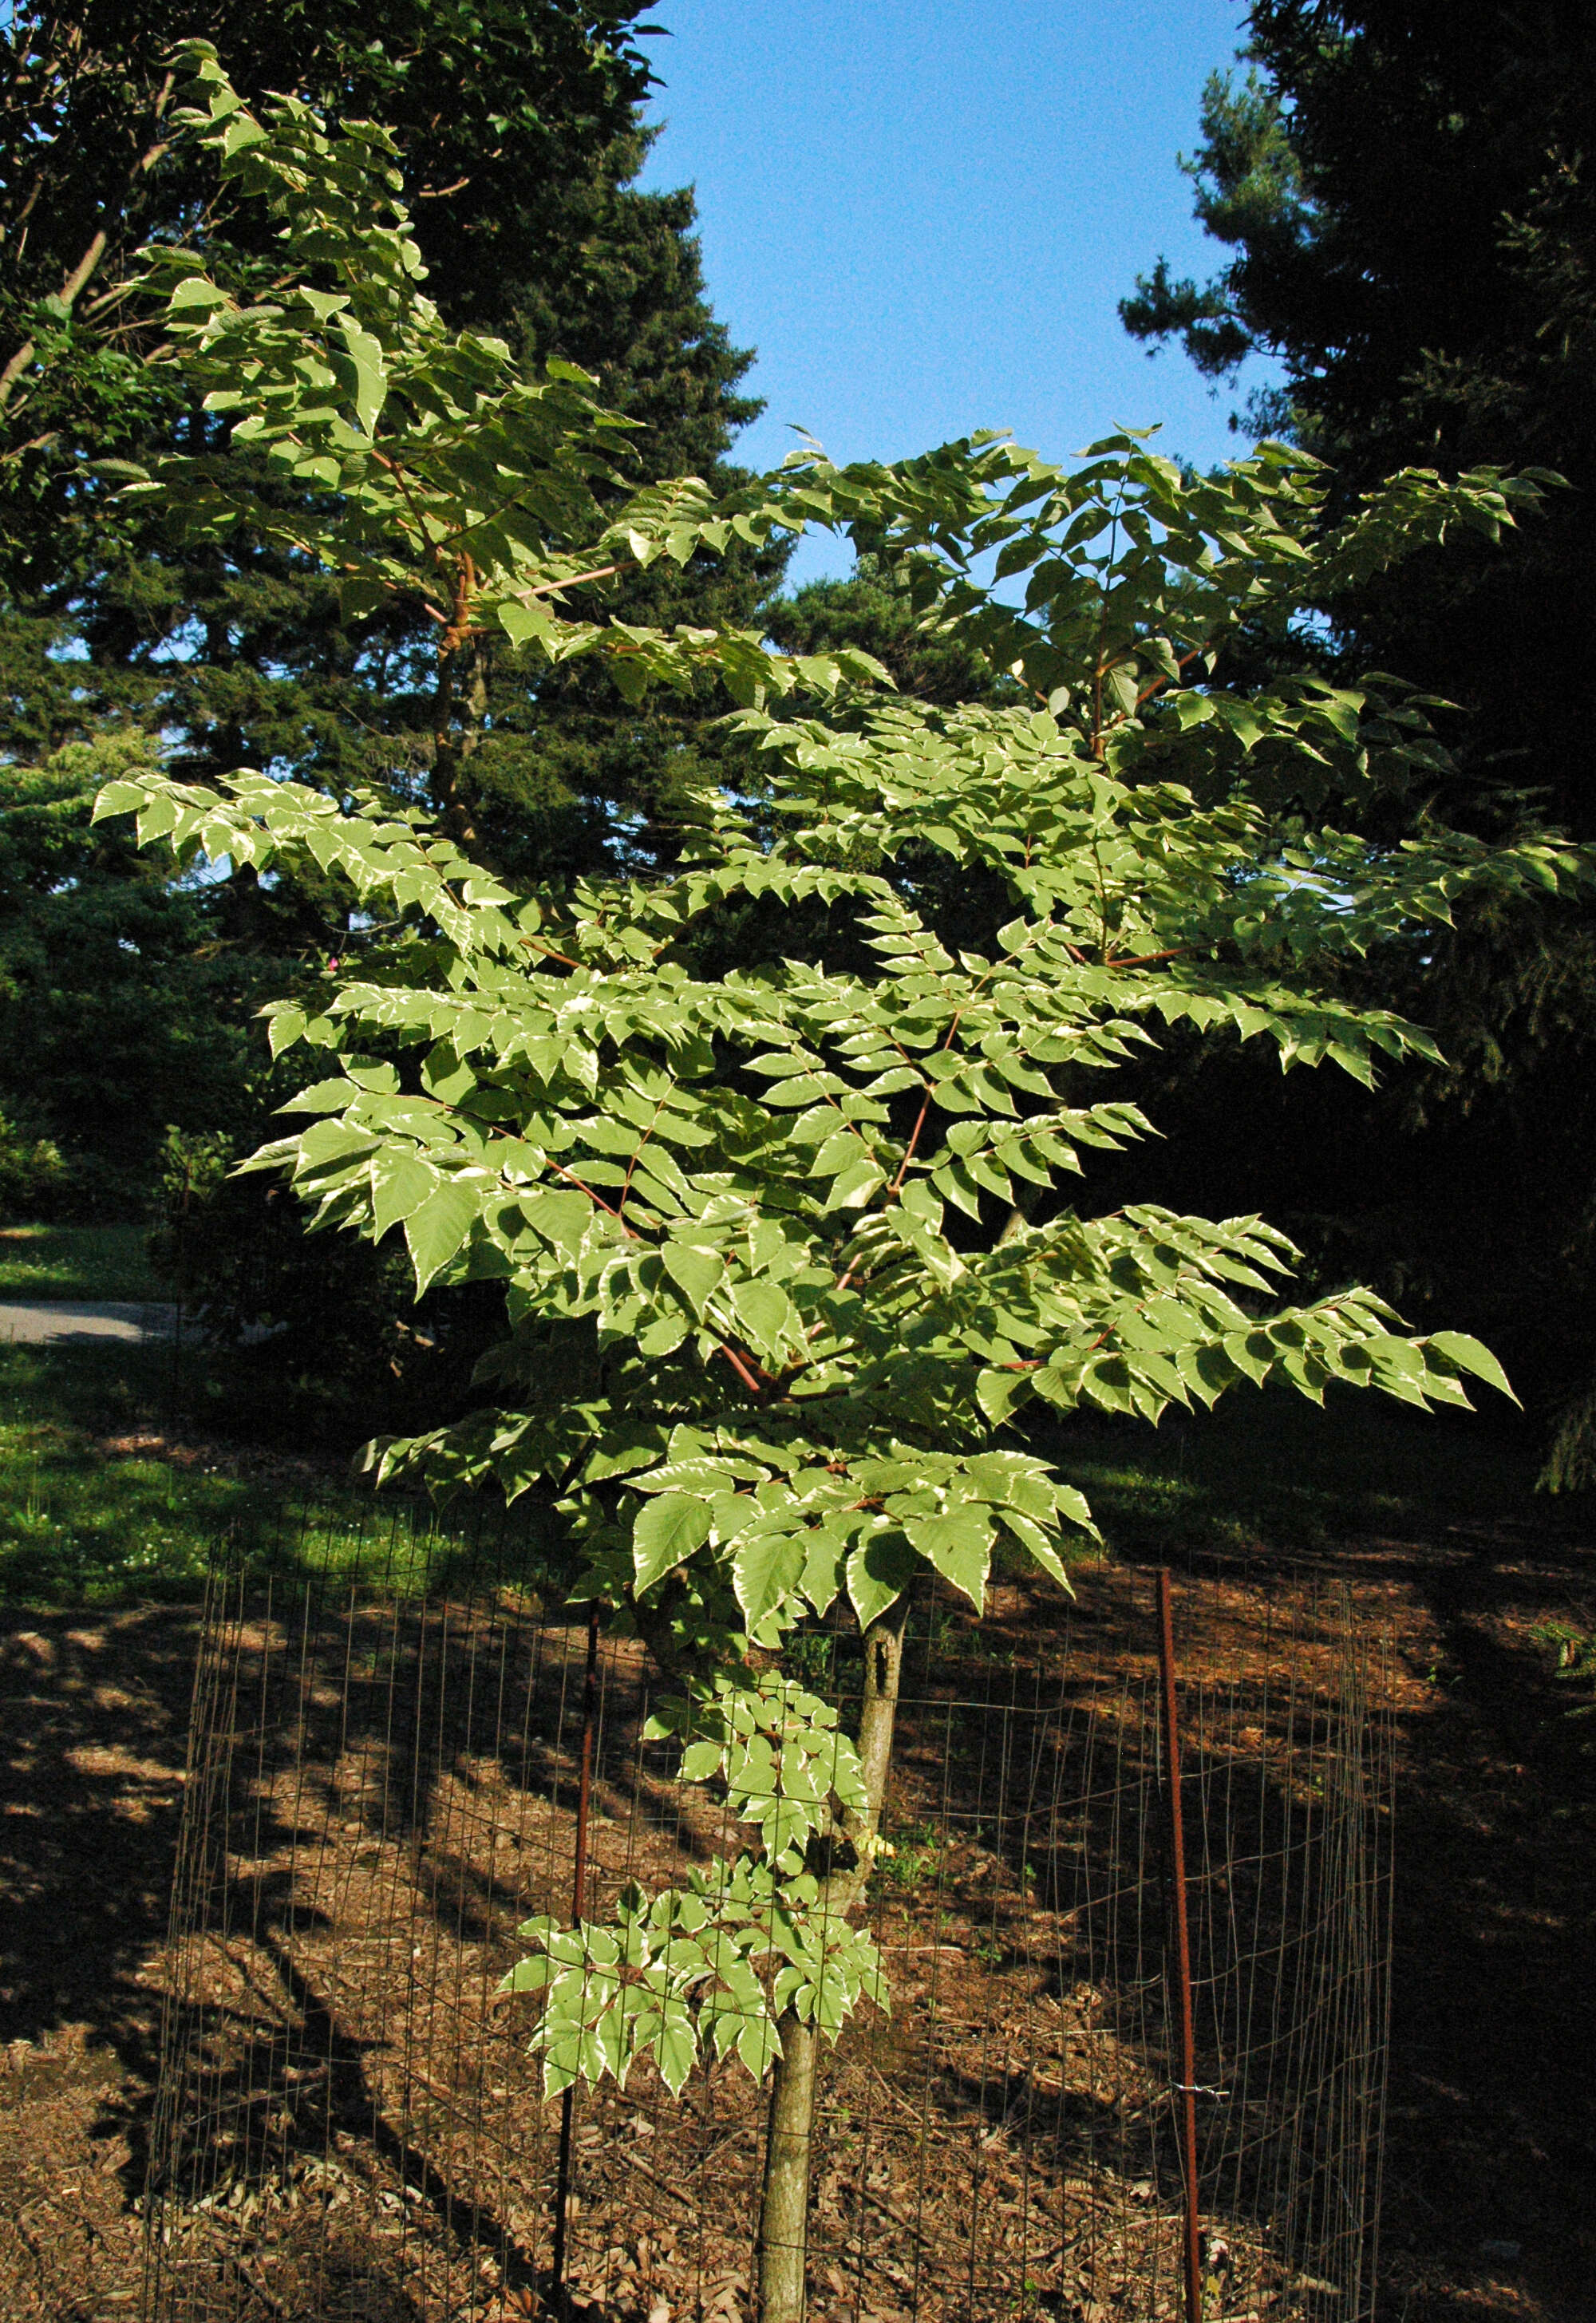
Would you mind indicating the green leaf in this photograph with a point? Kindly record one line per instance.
(677, 2049)
(767, 1567)
(855, 1185)
(959, 1545)
(758, 2044)
(119, 798)
(878, 1571)
(283, 1028)
(561, 1216)
(763, 1313)
(694, 1272)
(527, 1976)
(1469, 1356)
(666, 1533)
(997, 1391)
(401, 1183)
(1033, 1538)
(371, 375)
(664, 1338)
(435, 1231)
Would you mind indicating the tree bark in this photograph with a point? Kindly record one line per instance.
(784, 2214)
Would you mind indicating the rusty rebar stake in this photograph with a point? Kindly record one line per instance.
(589, 1708)
(1185, 2090)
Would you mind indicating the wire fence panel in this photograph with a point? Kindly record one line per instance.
(383, 1783)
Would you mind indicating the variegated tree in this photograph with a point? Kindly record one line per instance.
(795, 1249)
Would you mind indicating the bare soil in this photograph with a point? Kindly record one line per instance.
(1491, 2157)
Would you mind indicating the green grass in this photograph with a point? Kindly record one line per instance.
(76, 1263)
(83, 1524)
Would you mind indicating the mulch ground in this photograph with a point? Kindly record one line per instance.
(359, 2105)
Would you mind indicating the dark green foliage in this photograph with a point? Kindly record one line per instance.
(310, 1338)
(117, 1013)
(1404, 195)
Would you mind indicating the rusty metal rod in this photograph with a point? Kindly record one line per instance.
(1185, 2086)
(589, 1716)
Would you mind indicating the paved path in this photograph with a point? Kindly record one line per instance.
(81, 1322)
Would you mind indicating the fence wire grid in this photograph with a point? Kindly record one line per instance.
(382, 1784)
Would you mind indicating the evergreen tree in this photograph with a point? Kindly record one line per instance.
(1405, 195)
(517, 121)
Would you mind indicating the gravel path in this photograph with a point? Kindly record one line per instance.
(75, 1323)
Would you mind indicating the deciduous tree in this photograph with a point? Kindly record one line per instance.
(791, 1250)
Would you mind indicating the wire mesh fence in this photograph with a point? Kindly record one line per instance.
(383, 1783)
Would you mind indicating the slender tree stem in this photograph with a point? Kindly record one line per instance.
(784, 2214)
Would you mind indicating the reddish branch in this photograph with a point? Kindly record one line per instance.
(1148, 959)
(1181, 660)
(548, 952)
(909, 1149)
(756, 1387)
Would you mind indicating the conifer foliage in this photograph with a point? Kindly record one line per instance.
(1402, 195)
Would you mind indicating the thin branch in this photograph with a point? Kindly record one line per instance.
(1149, 958)
(100, 242)
(636, 1154)
(597, 1200)
(1148, 692)
(434, 548)
(572, 581)
(549, 952)
(913, 1141)
(754, 1386)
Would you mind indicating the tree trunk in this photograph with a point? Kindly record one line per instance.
(784, 2214)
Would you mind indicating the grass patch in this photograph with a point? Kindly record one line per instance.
(77, 1262)
(82, 1524)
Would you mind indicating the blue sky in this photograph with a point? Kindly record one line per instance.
(923, 213)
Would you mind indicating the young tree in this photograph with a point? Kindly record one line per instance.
(787, 1247)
